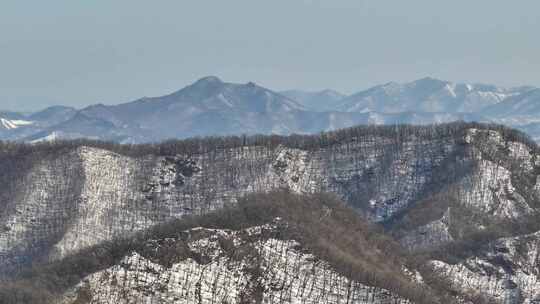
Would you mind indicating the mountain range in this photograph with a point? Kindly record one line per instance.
(383, 212)
(212, 107)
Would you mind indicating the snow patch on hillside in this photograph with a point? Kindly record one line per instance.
(14, 124)
(507, 272)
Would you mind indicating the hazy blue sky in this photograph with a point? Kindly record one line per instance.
(77, 52)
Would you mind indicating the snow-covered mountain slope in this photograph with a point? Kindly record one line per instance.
(505, 271)
(518, 106)
(11, 128)
(426, 95)
(431, 186)
(271, 248)
(251, 265)
(10, 124)
(18, 126)
(325, 100)
(227, 280)
(52, 115)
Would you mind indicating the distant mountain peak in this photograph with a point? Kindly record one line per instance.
(429, 79)
(209, 80)
(205, 84)
(429, 82)
(428, 94)
(330, 92)
(389, 86)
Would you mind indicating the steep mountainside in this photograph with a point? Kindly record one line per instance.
(17, 126)
(269, 249)
(207, 107)
(52, 115)
(444, 192)
(519, 105)
(427, 95)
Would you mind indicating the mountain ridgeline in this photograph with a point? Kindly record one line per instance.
(431, 214)
(212, 107)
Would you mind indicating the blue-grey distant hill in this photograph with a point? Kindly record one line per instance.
(211, 107)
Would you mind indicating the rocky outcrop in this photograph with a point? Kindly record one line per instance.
(496, 186)
(225, 266)
(506, 272)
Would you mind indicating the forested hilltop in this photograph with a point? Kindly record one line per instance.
(453, 206)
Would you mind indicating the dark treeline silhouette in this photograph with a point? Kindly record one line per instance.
(196, 145)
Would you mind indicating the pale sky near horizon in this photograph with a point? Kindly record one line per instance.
(83, 52)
